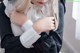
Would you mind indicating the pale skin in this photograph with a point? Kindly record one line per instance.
(42, 25)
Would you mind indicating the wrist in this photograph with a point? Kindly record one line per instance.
(36, 29)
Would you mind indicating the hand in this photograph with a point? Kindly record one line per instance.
(44, 24)
(18, 18)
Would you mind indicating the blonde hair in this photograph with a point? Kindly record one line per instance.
(55, 13)
(22, 5)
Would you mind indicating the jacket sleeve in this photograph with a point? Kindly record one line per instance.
(8, 40)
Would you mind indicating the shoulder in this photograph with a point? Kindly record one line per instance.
(3, 16)
(2, 11)
(63, 2)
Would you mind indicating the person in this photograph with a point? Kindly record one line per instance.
(23, 43)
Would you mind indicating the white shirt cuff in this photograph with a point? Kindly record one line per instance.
(27, 25)
(29, 37)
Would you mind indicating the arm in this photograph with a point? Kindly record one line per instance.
(52, 44)
(8, 40)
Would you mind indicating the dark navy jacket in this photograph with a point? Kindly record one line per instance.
(12, 44)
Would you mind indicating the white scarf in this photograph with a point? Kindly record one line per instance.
(17, 29)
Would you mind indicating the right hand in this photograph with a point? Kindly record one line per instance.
(18, 18)
(44, 24)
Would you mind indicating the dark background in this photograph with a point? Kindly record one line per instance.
(0, 0)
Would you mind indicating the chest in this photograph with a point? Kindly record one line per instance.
(33, 14)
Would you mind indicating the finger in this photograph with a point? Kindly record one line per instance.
(52, 28)
(53, 25)
(52, 18)
(53, 22)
